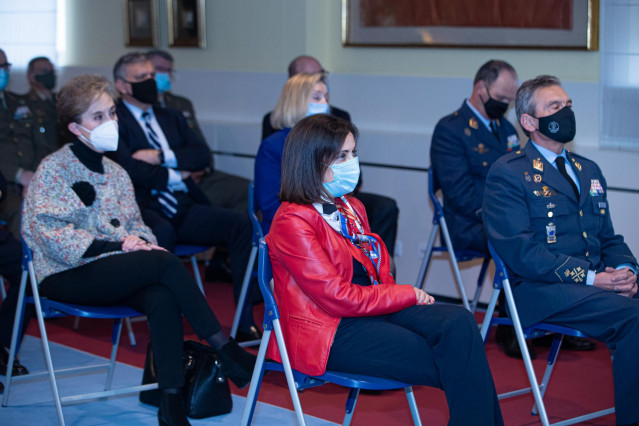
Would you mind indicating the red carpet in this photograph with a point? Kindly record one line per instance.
(582, 381)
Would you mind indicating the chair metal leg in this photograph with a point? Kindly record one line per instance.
(246, 285)
(17, 321)
(256, 381)
(289, 373)
(129, 329)
(413, 406)
(419, 283)
(453, 261)
(480, 284)
(115, 340)
(3, 292)
(485, 326)
(552, 358)
(351, 400)
(196, 273)
(45, 346)
(526, 355)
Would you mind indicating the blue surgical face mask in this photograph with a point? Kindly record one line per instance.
(345, 177)
(4, 78)
(163, 80)
(315, 108)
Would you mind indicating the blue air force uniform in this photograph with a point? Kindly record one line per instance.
(549, 239)
(462, 150)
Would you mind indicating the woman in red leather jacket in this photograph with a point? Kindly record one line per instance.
(340, 307)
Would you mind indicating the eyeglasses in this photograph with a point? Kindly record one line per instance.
(6, 65)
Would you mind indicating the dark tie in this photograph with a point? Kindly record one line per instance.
(493, 127)
(167, 200)
(561, 166)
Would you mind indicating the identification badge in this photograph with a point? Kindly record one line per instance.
(551, 233)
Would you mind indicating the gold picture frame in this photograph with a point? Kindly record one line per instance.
(187, 23)
(565, 24)
(141, 23)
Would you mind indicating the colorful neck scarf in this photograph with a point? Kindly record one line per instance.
(343, 219)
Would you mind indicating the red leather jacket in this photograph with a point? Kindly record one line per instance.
(312, 270)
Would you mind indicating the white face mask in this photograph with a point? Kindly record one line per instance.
(316, 108)
(104, 137)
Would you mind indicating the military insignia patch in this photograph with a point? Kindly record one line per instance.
(578, 274)
(595, 188)
(538, 165)
(537, 178)
(527, 177)
(467, 131)
(551, 233)
(481, 149)
(473, 123)
(577, 165)
(513, 142)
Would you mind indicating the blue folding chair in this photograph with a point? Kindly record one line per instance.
(190, 250)
(50, 308)
(250, 266)
(533, 331)
(455, 256)
(296, 380)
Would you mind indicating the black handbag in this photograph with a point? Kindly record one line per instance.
(206, 390)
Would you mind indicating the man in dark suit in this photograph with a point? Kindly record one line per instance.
(546, 212)
(382, 212)
(160, 151)
(222, 189)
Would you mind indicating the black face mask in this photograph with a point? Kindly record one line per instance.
(145, 91)
(560, 126)
(494, 109)
(47, 79)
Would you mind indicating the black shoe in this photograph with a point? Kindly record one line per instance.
(507, 341)
(570, 343)
(218, 271)
(253, 333)
(172, 411)
(18, 369)
(237, 364)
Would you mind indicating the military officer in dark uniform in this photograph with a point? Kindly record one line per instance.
(546, 212)
(41, 100)
(222, 189)
(22, 146)
(464, 146)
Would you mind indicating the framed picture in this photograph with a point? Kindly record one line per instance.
(540, 24)
(187, 23)
(140, 23)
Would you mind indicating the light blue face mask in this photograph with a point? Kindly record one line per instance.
(4, 78)
(163, 81)
(315, 108)
(345, 177)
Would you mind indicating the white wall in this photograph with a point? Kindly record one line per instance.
(394, 95)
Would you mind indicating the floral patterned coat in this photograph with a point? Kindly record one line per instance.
(59, 225)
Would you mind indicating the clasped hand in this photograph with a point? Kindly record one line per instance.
(132, 243)
(622, 281)
(423, 298)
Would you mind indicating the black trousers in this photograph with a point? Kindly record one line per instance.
(155, 283)
(614, 320)
(434, 345)
(208, 226)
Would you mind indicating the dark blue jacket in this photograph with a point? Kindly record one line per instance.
(268, 176)
(461, 152)
(526, 201)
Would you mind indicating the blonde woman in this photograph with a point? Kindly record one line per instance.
(302, 95)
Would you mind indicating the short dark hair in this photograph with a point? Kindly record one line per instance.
(489, 72)
(130, 58)
(161, 53)
(33, 61)
(312, 144)
(525, 99)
